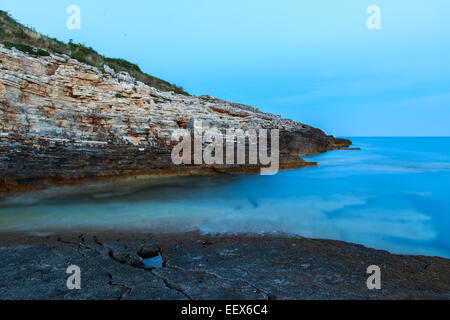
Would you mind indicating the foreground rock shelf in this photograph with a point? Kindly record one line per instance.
(198, 266)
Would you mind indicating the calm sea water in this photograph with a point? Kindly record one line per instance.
(394, 194)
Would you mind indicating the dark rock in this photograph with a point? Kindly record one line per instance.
(149, 251)
(234, 267)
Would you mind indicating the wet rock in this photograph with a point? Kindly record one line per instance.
(250, 267)
(149, 251)
(127, 258)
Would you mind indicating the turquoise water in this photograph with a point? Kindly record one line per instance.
(392, 195)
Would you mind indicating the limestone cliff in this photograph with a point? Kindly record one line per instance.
(61, 119)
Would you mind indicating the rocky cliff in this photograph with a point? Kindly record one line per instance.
(65, 120)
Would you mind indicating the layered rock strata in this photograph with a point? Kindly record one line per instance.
(63, 120)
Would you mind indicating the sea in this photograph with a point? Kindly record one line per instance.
(393, 194)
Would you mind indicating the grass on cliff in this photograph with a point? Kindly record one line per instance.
(26, 39)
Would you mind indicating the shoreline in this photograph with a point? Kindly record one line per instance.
(197, 266)
(104, 125)
(35, 185)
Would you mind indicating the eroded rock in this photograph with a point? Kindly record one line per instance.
(228, 267)
(63, 120)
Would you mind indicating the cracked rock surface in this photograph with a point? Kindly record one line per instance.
(198, 266)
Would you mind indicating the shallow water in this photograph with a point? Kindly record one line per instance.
(392, 195)
(154, 263)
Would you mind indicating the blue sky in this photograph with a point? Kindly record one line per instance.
(312, 61)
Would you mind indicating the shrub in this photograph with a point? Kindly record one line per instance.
(20, 34)
(26, 49)
(121, 64)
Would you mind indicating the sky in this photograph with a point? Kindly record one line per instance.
(314, 61)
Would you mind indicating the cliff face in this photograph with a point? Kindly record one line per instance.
(61, 119)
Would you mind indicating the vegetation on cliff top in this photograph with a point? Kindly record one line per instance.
(25, 39)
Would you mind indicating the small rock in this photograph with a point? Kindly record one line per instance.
(149, 251)
(109, 70)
